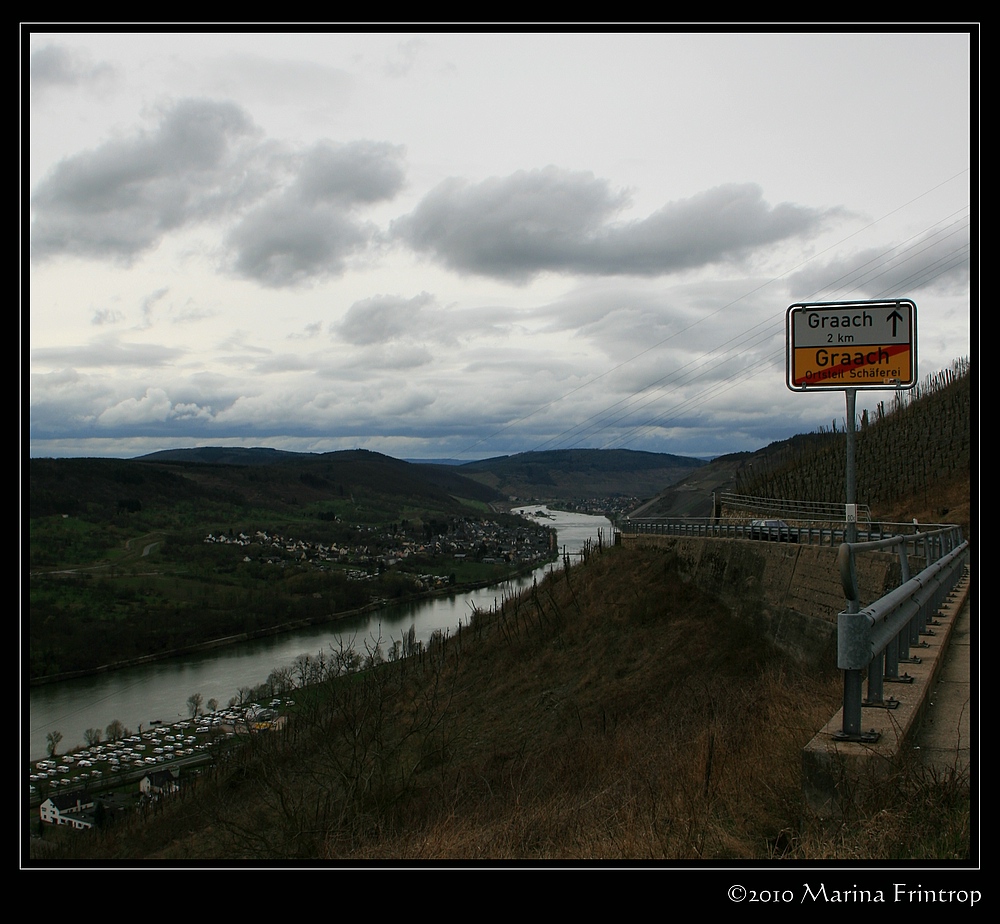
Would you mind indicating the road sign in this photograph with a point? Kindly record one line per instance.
(851, 345)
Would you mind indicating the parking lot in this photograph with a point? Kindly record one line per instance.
(108, 763)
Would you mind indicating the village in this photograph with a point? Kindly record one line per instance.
(376, 549)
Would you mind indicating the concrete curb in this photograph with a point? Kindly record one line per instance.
(833, 770)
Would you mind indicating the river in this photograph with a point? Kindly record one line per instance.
(138, 695)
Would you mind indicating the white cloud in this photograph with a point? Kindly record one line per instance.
(154, 406)
(383, 318)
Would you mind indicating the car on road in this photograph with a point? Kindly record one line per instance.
(772, 531)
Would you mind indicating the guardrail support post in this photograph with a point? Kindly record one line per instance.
(851, 727)
(853, 647)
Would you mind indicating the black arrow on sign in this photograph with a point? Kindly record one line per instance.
(895, 317)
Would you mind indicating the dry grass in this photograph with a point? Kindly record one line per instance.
(619, 714)
(949, 502)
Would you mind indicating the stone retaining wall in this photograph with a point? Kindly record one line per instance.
(798, 586)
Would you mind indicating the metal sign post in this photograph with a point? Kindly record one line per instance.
(850, 485)
(851, 345)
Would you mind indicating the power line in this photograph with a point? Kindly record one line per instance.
(634, 402)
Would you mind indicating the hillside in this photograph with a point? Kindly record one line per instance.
(913, 459)
(488, 744)
(100, 488)
(569, 474)
(616, 712)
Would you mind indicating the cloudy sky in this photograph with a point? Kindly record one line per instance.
(467, 245)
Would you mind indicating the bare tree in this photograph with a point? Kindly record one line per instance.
(92, 736)
(409, 643)
(115, 730)
(52, 740)
(280, 681)
(194, 704)
(345, 659)
(369, 735)
(213, 704)
(303, 668)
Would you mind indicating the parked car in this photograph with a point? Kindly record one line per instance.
(772, 530)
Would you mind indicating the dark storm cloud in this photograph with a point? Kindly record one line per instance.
(937, 261)
(56, 65)
(310, 229)
(560, 221)
(383, 318)
(206, 160)
(514, 226)
(286, 243)
(359, 172)
(120, 199)
(722, 223)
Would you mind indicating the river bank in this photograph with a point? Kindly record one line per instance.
(159, 688)
(268, 631)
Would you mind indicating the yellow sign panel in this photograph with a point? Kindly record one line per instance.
(887, 364)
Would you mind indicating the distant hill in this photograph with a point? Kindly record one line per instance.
(568, 474)
(244, 478)
(692, 496)
(248, 477)
(224, 455)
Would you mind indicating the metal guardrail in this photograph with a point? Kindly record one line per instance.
(787, 508)
(877, 639)
(807, 533)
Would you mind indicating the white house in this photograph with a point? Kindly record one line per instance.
(72, 808)
(159, 782)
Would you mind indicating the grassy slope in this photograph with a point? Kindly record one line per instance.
(588, 720)
(618, 713)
